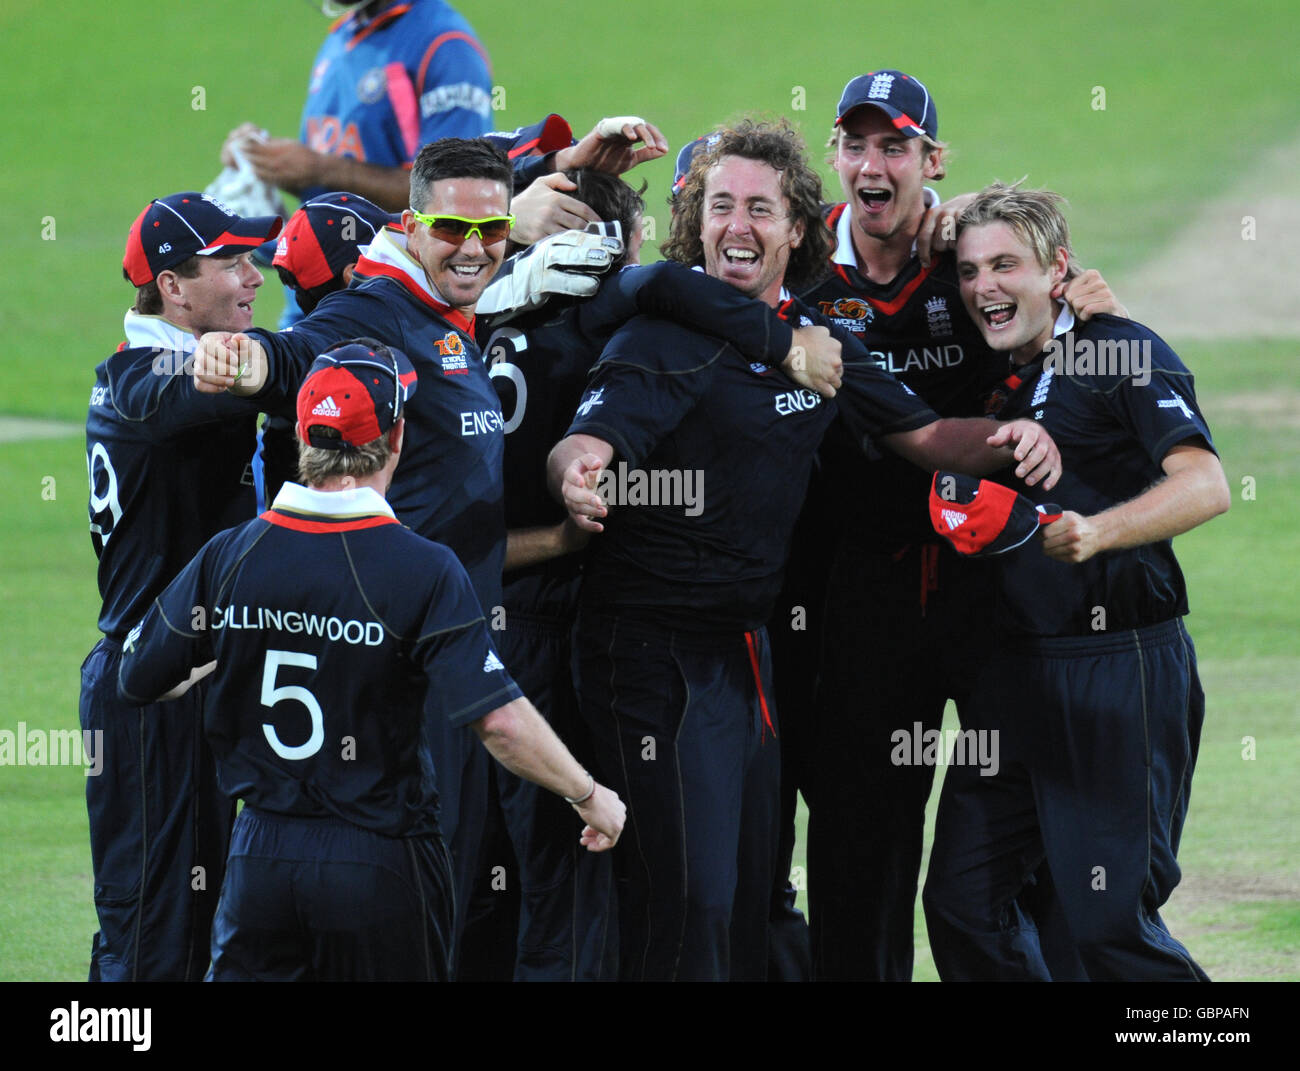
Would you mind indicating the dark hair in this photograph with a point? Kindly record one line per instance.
(449, 158)
(780, 146)
(611, 199)
(148, 298)
(309, 297)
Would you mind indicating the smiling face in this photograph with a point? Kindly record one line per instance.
(883, 174)
(460, 273)
(1007, 292)
(219, 298)
(746, 228)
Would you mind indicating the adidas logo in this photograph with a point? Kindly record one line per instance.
(328, 407)
(953, 518)
(492, 662)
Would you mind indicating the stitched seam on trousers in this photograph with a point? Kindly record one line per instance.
(144, 855)
(1146, 924)
(622, 758)
(681, 805)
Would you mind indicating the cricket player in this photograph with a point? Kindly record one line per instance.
(389, 78)
(168, 467)
(323, 622)
(674, 672)
(895, 614)
(1093, 687)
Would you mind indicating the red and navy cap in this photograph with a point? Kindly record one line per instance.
(687, 156)
(172, 229)
(550, 135)
(324, 236)
(354, 393)
(904, 99)
(981, 518)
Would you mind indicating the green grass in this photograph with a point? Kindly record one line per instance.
(1014, 90)
(99, 118)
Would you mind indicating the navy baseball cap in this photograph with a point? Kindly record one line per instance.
(354, 393)
(551, 134)
(981, 518)
(901, 97)
(687, 156)
(172, 229)
(318, 242)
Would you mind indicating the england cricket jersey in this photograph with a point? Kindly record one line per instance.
(539, 364)
(1116, 399)
(382, 87)
(712, 458)
(448, 483)
(168, 467)
(328, 622)
(916, 328)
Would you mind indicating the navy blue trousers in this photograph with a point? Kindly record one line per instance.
(567, 928)
(1098, 738)
(159, 830)
(323, 900)
(681, 734)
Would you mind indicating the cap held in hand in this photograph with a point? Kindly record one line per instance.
(981, 518)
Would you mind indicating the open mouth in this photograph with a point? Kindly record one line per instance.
(740, 257)
(245, 306)
(874, 200)
(467, 271)
(999, 315)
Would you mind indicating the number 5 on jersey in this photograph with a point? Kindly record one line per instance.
(271, 695)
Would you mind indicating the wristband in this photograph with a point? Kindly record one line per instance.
(591, 791)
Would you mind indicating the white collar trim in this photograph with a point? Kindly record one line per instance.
(389, 248)
(153, 332)
(354, 502)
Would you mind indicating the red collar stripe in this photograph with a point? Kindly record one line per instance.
(300, 524)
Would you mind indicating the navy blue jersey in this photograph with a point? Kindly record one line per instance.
(1113, 431)
(448, 483)
(169, 467)
(328, 621)
(915, 327)
(539, 365)
(712, 458)
(382, 87)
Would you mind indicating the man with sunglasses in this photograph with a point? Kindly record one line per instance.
(416, 290)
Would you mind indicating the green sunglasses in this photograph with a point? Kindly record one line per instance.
(455, 229)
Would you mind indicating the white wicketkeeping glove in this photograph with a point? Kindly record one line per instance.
(568, 264)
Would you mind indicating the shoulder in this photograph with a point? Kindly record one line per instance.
(658, 345)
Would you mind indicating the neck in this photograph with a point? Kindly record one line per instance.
(376, 481)
(881, 259)
(1022, 355)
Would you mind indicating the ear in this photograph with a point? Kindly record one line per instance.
(297, 431)
(796, 234)
(396, 434)
(169, 286)
(932, 166)
(347, 274)
(1060, 265)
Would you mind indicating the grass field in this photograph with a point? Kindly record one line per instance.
(1193, 95)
